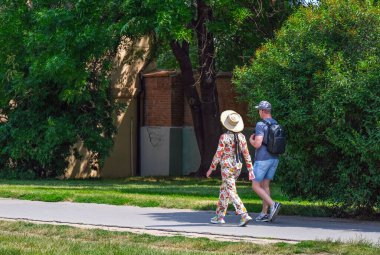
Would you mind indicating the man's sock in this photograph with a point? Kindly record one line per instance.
(272, 207)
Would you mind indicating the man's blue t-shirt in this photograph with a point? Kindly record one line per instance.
(262, 153)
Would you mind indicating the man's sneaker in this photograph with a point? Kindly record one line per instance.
(244, 220)
(216, 220)
(262, 217)
(274, 211)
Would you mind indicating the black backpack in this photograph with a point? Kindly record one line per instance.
(276, 138)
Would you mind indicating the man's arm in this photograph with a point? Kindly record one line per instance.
(256, 141)
(257, 138)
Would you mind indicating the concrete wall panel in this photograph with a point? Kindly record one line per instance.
(190, 153)
(155, 143)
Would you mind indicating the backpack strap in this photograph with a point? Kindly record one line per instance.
(268, 124)
(237, 148)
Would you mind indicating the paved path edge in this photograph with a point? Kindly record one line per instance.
(157, 232)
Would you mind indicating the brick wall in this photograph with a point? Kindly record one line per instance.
(228, 97)
(165, 104)
(177, 102)
(163, 100)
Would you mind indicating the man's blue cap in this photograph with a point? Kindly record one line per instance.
(264, 105)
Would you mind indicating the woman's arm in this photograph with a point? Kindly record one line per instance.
(247, 157)
(218, 156)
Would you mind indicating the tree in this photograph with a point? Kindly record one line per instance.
(55, 58)
(321, 73)
(223, 31)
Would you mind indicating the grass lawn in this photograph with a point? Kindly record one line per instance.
(27, 238)
(181, 192)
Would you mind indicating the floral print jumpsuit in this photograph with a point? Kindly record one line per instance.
(230, 170)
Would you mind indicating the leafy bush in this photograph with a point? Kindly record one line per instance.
(55, 58)
(322, 75)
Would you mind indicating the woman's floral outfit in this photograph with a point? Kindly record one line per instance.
(230, 168)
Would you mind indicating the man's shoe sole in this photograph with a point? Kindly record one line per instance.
(266, 220)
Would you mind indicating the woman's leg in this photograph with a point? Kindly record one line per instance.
(234, 197)
(222, 206)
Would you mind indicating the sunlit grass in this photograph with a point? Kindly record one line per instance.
(181, 192)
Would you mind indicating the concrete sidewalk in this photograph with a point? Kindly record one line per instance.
(189, 222)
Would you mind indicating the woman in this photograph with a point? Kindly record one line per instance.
(231, 145)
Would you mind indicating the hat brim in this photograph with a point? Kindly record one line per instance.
(234, 128)
(260, 108)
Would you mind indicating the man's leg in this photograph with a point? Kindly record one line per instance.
(275, 208)
(260, 169)
(261, 192)
(265, 185)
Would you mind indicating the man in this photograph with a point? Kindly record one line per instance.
(265, 164)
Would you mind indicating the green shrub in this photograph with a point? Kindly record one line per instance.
(17, 174)
(55, 58)
(322, 75)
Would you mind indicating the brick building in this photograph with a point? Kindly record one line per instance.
(167, 140)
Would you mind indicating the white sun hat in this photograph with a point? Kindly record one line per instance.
(232, 121)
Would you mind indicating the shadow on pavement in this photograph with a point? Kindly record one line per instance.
(203, 219)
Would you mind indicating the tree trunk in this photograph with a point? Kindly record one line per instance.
(181, 52)
(209, 94)
(204, 110)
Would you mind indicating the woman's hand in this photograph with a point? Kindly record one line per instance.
(208, 173)
(251, 175)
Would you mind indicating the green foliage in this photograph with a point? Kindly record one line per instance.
(238, 27)
(55, 58)
(322, 75)
(167, 19)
